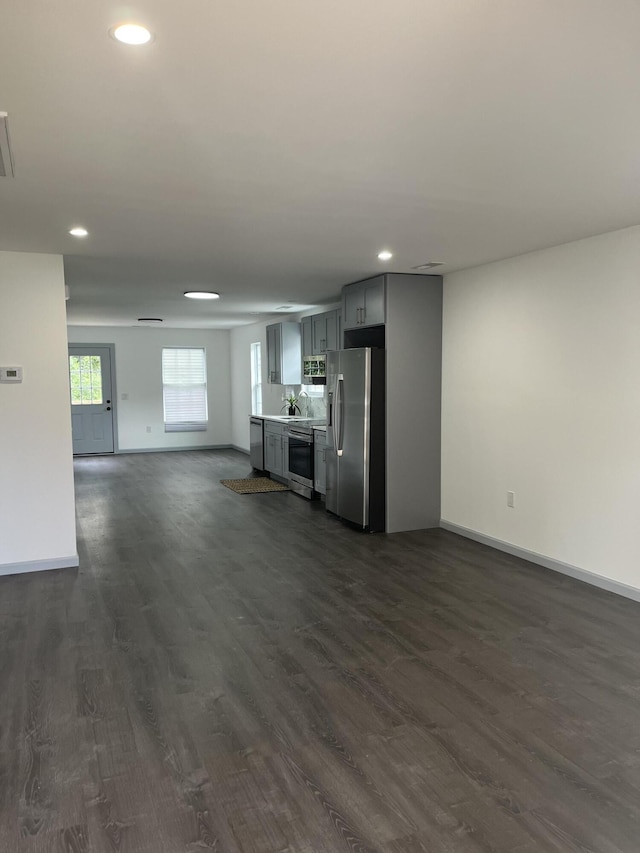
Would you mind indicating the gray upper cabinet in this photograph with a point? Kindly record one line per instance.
(363, 303)
(319, 326)
(325, 332)
(321, 333)
(274, 352)
(306, 328)
(334, 330)
(284, 354)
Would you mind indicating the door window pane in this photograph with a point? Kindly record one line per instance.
(85, 373)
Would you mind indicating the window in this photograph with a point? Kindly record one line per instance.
(256, 379)
(184, 389)
(85, 373)
(314, 390)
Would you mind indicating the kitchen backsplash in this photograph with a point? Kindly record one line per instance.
(312, 407)
(273, 400)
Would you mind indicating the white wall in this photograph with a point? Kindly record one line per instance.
(541, 396)
(139, 375)
(37, 514)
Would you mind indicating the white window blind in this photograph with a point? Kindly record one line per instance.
(184, 389)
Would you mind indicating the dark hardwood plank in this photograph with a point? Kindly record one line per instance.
(245, 673)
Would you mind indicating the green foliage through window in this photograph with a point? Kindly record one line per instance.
(85, 372)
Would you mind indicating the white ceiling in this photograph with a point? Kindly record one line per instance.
(269, 150)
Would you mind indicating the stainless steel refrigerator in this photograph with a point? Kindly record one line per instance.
(355, 450)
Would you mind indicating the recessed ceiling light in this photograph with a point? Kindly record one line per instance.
(78, 232)
(150, 320)
(131, 34)
(385, 255)
(201, 294)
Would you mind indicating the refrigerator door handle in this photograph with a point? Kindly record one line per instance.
(332, 416)
(339, 430)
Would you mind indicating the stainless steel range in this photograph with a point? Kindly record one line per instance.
(300, 462)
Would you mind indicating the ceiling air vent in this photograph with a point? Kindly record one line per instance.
(6, 160)
(428, 266)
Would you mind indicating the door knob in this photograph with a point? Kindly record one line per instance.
(108, 408)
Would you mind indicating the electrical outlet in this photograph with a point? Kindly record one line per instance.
(148, 429)
(511, 499)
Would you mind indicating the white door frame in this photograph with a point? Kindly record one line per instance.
(114, 390)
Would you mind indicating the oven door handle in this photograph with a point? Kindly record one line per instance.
(304, 439)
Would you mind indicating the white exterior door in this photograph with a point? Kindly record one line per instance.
(91, 399)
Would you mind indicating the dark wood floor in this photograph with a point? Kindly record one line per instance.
(245, 673)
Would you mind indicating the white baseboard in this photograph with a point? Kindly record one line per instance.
(39, 565)
(548, 562)
(124, 451)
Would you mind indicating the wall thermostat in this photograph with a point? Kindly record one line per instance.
(10, 374)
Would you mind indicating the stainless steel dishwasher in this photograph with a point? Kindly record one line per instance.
(256, 443)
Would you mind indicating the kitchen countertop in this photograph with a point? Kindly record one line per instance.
(288, 419)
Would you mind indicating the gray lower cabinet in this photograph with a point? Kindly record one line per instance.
(363, 303)
(275, 447)
(256, 437)
(320, 462)
(273, 453)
